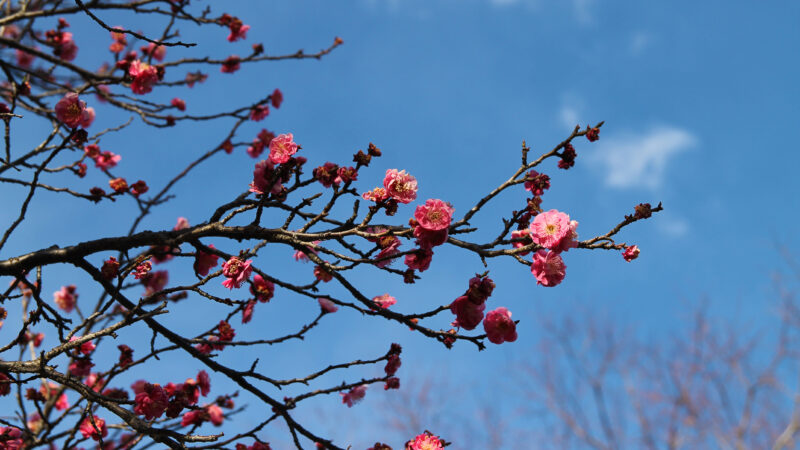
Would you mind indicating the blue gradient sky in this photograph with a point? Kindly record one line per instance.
(700, 101)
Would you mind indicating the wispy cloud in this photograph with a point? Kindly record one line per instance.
(639, 160)
(568, 116)
(672, 226)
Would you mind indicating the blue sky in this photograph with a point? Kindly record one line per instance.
(700, 101)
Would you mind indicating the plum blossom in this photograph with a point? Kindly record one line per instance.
(499, 327)
(93, 427)
(262, 289)
(71, 110)
(468, 314)
(401, 186)
(520, 234)
(66, 298)
(263, 175)
(549, 228)
(420, 259)
(151, 401)
(384, 301)
(631, 253)
(327, 305)
(203, 262)
(354, 396)
(434, 215)
(425, 441)
(144, 77)
(281, 148)
(537, 182)
(548, 268)
(276, 98)
(236, 272)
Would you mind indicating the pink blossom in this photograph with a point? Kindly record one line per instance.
(64, 46)
(230, 65)
(71, 110)
(247, 312)
(158, 52)
(178, 103)
(88, 118)
(66, 298)
(520, 234)
(262, 289)
(499, 326)
(434, 215)
(428, 238)
(631, 253)
(281, 148)
(425, 441)
(327, 305)
(5, 385)
(262, 177)
(215, 414)
(86, 348)
(236, 272)
(537, 182)
(182, 224)
(106, 160)
(238, 32)
(420, 259)
(401, 186)
(259, 112)
(354, 396)
(300, 255)
(144, 77)
(550, 228)
(194, 417)
(81, 367)
(384, 301)
(12, 438)
(203, 262)
(90, 426)
(468, 314)
(203, 382)
(570, 240)
(24, 59)
(480, 289)
(376, 195)
(276, 98)
(151, 401)
(548, 268)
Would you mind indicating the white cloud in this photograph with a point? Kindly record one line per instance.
(672, 226)
(639, 42)
(568, 116)
(639, 160)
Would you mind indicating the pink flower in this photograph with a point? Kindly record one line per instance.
(158, 52)
(24, 59)
(384, 301)
(376, 195)
(236, 272)
(327, 174)
(259, 112)
(420, 259)
(230, 65)
(238, 31)
(434, 214)
(548, 268)
(178, 103)
(86, 348)
(401, 186)
(203, 262)
(263, 175)
(327, 305)
(282, 148)
(64, 47)
(354, 396)
(300, 255)
(66, 298)
(537, 182)
(499, 326)
(151, 401)
(182, 224)
(71, 110)
(468, 314)
(247, 312)
(428, 239)
(194, 417)
(425, 441)
(480, 289)
(12, 438)
(549, 228)
(262, 289)
(81, 367)
(570, 240)
(144, 77)
(392, 364)
(106, 160)
(215, 414)
(203, 382)
(88, 118)
(276, 98)
(96, 430)
(631, 253)
(520, 234)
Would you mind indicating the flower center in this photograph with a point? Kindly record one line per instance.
(551, 228)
